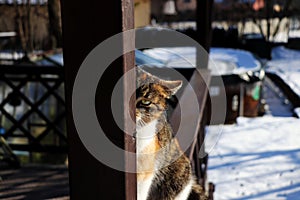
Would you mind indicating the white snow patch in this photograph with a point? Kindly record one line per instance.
(285, 63)
(257, 158)
(297, 111)
(222, 61)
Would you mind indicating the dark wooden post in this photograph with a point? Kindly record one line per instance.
(203, 23)
(85, 25)
(129, 85)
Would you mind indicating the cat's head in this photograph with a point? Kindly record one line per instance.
(151, 96)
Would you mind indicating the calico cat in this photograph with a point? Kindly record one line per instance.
(163, 170)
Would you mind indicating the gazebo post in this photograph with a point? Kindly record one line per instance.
(85, 25)
(203, 29)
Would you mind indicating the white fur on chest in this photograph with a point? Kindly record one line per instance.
(145, 135)
(143, 188)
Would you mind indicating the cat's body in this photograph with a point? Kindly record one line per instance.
(164, 172)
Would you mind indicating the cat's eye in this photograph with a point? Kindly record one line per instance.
(146, 102)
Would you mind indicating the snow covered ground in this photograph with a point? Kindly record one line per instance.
(257, 158)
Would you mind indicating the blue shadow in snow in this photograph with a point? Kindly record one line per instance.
(294, 157)
(292, 154)
(292, 196)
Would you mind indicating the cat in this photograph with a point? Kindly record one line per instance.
(163, 170)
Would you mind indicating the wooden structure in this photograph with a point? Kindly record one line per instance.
(196, 151)
(84, 27)
(33, 88)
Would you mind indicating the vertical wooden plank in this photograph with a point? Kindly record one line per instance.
(203, 24)
(129, 86)
(85, 25)
(197, 160)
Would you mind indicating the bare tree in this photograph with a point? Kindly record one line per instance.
(268, 13)
(258, 12)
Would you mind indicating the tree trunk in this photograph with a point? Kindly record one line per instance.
(29, 27)
(55, 23)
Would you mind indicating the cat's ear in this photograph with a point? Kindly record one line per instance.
(173, 86)
(144, 76)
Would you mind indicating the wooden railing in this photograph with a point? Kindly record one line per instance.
(198, 85)
(32, 108)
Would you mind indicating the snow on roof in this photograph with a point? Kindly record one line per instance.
(8, 34)
(282, 52)
(33, 2)
(222, 61)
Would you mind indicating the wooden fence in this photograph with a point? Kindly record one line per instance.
(33, 108)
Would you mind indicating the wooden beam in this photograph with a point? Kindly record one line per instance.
(129, 85)
(199, 85)
(85, 25)
(203, 24)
